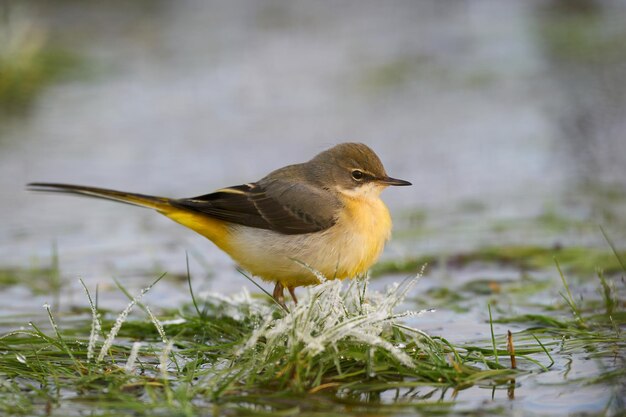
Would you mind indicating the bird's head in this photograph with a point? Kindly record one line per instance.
(352, 169)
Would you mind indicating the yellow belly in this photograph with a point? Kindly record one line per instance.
(345, 250)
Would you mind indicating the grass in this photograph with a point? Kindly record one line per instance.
(343, 349)
(29, 62)
(579, 260)
(344, 344)
(40, 280)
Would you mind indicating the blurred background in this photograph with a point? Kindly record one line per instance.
(509, 117)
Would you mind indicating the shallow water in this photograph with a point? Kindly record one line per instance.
(481, 105)
(182, 100)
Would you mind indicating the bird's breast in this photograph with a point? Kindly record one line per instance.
(344, 250)
(366, 226)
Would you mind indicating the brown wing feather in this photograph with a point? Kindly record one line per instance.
(276, 205)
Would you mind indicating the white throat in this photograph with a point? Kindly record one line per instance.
(367, 191)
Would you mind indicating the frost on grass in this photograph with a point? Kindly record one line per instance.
(239, 306)
(157, 324)
(121, 318)
(96, 325)
(331, 314)
(132, 357)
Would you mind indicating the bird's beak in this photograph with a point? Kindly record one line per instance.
(393, 181)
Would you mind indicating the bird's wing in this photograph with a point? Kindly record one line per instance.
(277, 205)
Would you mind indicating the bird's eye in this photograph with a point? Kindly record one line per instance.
(357, 175)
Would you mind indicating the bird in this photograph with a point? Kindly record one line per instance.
(324, 216)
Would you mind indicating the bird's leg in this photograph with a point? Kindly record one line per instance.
(292, 291)
(278, 295)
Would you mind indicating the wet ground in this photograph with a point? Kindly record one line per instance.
(508, 117)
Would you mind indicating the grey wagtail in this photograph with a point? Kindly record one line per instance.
(323, 215)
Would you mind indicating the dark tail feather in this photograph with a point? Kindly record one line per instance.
(142, 200)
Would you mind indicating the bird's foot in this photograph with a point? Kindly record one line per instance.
(292, 291)
(279, 296)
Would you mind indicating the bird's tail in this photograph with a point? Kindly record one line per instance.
(157, 203)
